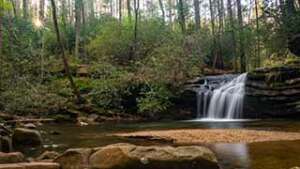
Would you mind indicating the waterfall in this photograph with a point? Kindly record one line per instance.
(223, 102)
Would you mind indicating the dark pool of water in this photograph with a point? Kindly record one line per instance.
(266, 155)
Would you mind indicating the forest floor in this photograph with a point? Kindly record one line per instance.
(203, 136)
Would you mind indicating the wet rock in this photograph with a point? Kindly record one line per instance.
(30, 166)
(48, 155)
(273, 92)
(74, 159)
(5, 144)
(29, 126)
(7, 158)
(26, 137)
(124, 156)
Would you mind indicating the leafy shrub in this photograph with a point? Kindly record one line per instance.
(155, 99)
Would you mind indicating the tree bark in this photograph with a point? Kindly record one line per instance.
(92, 10)
(25, 9)
(241, 37)
(77, 26)
(181, 16)
(42, 10)
(120, 10)
(1, 36)
(232, 34)
(64, 58)
(257, 35)
(129, 10)
(163, 15)
(136, 12)
(197, 14)
(13, 3)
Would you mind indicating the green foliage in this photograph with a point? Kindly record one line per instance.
(155, 99)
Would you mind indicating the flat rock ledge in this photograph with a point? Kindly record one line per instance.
(203, 136)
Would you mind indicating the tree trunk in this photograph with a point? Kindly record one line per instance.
(241, 37)
(92, 10)
(13, 3)
(212, 18)
(181, 16)
(136, 12)
(197, 14)
(232, 34)
(25, 9)
(163, 15)
(64, 13)
(82, 8)
(64, 58)
(120, 11)
(257, 34)
(42, 10)
(129, 10)
(1, 37)
(77, 26)
(111, 8)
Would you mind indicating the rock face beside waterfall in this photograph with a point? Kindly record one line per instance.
(273, 92)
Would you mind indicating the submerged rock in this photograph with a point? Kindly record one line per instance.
(124, 156)
(7, 158)
(26, 137)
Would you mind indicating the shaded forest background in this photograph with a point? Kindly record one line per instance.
(131, 56)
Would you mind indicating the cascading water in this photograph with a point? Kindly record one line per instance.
(223, 102)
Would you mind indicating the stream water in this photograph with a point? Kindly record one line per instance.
(265, 155)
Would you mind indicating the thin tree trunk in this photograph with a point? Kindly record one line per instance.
(25, 9)
(82, 7)
(77, 26)
(64, 58)
(42, 10)
(257, 34)
(111, 8)
(136, 12)
(162, 8)
(232, 34)
(92, 10)
(129, 10)
(120, 11)
(181, 16)
(1, 36)
(64, 13)
(13, 3)
(241, 37)
(170, 4)
(212, 17)
(197, 14)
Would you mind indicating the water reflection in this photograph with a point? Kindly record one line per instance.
(232, 156)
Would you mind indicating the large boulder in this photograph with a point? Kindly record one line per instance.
(26, 137)
(7, 158)
(124, 156)
(273, 92)
(74, 159)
